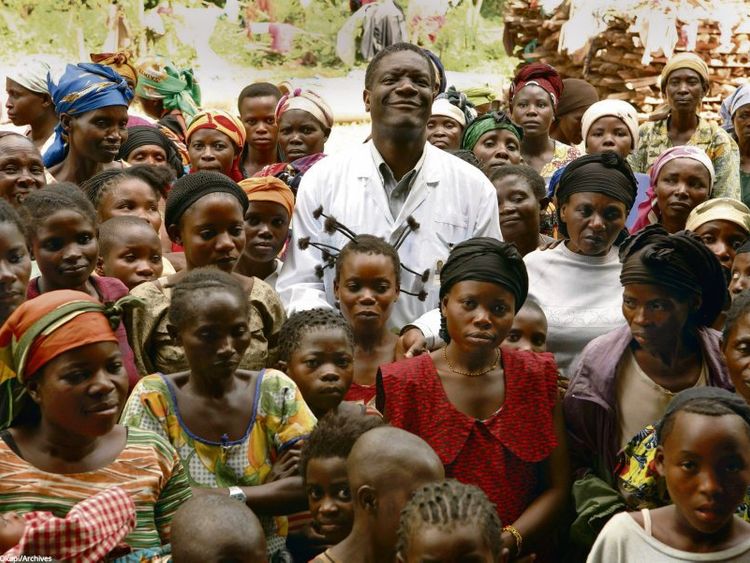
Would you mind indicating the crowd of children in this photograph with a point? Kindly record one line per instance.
(465, 340)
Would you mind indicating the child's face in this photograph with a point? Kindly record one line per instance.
(12, 527)
(131, 197)
(737, 355)
(478, 314)
(329, 498)
(529, 331)
(463, 544)
(266, 230)
(322, 367)
(367, 290)
(706, 463)
(135, 257)
(65, 248)
(740, 274)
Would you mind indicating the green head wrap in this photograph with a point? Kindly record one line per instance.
(488, 122)
(178, 89)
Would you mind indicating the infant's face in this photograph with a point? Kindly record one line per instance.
(12, 527)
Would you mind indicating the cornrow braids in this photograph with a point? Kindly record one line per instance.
(186, 292)
(158, 178)
(301, 322)
(369, 244)
(42, 203)
(446, 505)
(334, 436)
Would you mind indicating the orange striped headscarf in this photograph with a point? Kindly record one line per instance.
(226, 123)
(269, 188)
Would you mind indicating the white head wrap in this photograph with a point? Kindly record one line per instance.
(441, 106)
(620, 109)
(31, 73)
(720, 208)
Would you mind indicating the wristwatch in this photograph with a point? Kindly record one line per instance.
(237, 494)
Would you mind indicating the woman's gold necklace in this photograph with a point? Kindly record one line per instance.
(471, 373)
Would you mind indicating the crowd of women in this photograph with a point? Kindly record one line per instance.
(218, 343)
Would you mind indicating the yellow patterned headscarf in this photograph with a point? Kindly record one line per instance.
(226, 123)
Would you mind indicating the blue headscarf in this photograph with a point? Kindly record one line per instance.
(81, 88)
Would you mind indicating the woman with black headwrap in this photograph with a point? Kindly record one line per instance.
(490, 414)
(673, 290)
(148, 145)
(577, 284)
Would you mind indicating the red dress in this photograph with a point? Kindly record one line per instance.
(500, 454)
(360, 393)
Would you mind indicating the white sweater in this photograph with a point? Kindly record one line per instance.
(580, 295)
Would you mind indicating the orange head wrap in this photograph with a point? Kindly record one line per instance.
(119, 62)
(269, 188)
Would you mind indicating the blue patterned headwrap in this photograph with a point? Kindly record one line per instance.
(81, 88)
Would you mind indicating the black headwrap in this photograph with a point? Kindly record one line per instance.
(141, 135)
(697, 395)
(488, 260)
(191, 187)
(680, 262)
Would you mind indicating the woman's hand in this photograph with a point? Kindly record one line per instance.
(287, 465)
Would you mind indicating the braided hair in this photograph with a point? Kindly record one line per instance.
(157, 177)
(186, 294)
(302, 322)
(446, 505)
(369, 244)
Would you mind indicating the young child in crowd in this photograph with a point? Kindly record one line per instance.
(384, 467)
(703, 454)
(213, 527)
(366, 286)
(449, 521)
(323, 469)
(61, 231)
(129, 250)
(316, 350)
(529, 330)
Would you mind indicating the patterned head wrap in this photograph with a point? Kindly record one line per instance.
(740, 97)
(680, 262)
(226, 123)
(31, 73)
(620, 109)
(720, 209)
(41, 329)
(269, 188)
(120, 62)
(306, 100)
(488, 122)
(684, 60)
(538, 74)
(648, 210)
(158, 79)
(83, 87)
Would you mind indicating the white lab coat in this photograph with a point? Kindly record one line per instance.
(451, 199)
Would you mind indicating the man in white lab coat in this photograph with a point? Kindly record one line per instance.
(377, 186)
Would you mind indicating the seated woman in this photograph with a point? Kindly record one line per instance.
(21, 167)
(495, 140)
(612, 125)
(577, 97)
(228, 425)
(673, 290)
(680, 179)
(684, 83)
(61, 349)
(170, 95)
(491, 414)
(205, 214)
(451, 112)
(723, 224)
(215, 139)
(305, 122)
(148, 145)
(577, 283)
(91, 102)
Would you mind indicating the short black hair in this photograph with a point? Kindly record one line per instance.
(532, 177)
(40, 204)
(334, 436)
(372, 67)
(446, 505)
(729, 404)
(467, 156)
(739, 308)
(301, 322)
(369, 244)
(186, 293)
(111, 230)
(258, 90)
(9, 214)
(159, 178)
